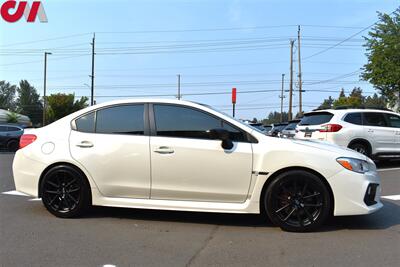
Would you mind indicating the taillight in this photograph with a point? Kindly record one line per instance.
(26, 139)
(331, 128)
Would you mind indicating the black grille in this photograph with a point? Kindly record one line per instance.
(369, 198)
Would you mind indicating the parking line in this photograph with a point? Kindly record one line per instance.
(392, 197)
(14, 193)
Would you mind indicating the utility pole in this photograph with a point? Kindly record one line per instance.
(282, 96)
(44, 87)
(300, 81)
(179, 86)
(92, 76)
(291, 81)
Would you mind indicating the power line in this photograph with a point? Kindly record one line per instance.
(346, 39)
(45, 40)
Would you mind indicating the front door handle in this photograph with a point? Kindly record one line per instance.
(85, 144)
(164, 150)
(370, 130)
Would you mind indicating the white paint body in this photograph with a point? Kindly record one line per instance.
(124, 171)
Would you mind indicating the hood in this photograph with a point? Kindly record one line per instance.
(321, 145)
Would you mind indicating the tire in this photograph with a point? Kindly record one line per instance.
(65, 192)
(12, 145)
(361, 148)
(297, 201)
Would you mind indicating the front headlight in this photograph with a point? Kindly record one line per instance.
(356, 165)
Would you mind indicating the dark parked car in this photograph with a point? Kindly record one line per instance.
(9, 136)
(290, 130)
(263, 128)
(277, 129)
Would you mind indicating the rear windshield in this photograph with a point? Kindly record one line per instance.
(316, 118)
(291, 126)
(279, 127)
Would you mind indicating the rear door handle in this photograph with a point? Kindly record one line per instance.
(370, 130)
(85, 144)
(164, 150)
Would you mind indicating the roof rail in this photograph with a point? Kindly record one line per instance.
(361, 107)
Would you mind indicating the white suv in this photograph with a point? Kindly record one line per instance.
(373, 132)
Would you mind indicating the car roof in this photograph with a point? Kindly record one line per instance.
(350, 110)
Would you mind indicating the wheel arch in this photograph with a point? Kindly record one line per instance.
(59, 164)
(274, 175)
(363, 141)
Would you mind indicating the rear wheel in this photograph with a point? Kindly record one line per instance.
(360, 148)
(12, 145)
(65, 192)
(297, 201)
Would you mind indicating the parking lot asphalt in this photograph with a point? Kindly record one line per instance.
(30, 236)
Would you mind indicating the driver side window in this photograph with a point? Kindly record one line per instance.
(185, 122)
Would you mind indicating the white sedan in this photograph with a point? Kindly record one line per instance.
(179, 155)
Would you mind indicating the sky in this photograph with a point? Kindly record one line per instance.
(215, 45)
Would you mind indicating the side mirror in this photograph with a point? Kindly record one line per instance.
(223, 135)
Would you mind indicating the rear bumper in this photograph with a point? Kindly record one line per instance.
(356, 194)
(27, 173)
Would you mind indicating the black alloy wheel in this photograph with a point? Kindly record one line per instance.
(65, 192)
(360, 148)
(297, 201)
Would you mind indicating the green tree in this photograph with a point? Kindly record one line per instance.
(355, 99)
(383, 52)
(375, 101)
(7, 95)
(327, 104)
(61, 105)
(28, 102)
(275, 117)
(12, 117)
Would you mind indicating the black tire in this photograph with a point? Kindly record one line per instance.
(361, 148)
(65, 192)
(12, 145)
(297, 201)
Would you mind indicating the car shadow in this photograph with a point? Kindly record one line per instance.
(385, 218)
(387, 164)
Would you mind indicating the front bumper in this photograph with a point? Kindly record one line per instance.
(355, 193)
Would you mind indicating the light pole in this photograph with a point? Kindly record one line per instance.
(179, 86)
(88, 86)
(44, 87)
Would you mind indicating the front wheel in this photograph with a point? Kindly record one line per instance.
(297, 201)
(65, 192)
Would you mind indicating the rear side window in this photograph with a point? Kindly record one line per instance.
(3, 129)
(354, 118)
(126, 119)
(394, 120)
(86, 123)
(375, 119)
(13, 129)
(316, 118)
